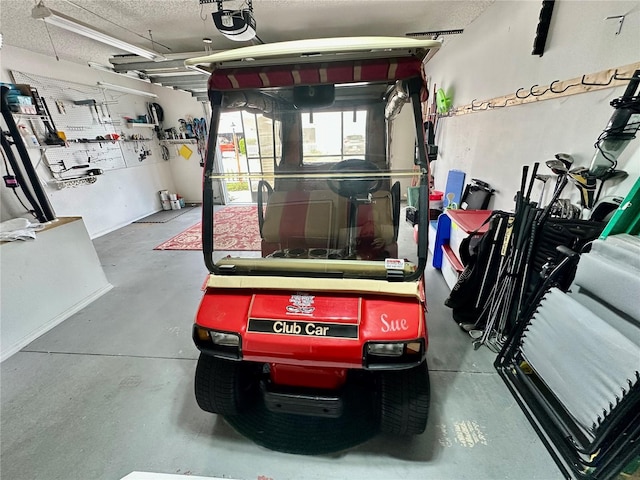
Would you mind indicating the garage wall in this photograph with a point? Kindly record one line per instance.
(402, 143)
(186, 173)
(493, 58)
(119, 196)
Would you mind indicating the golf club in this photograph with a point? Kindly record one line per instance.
(559, 168)
(565, 158)
(543, 179)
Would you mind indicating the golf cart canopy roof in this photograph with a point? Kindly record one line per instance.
(343, 60)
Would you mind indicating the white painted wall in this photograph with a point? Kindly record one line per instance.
(187, 174)
(119, 196)
(493, 58)
(402, 145)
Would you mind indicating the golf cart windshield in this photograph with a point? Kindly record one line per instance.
(319, 157)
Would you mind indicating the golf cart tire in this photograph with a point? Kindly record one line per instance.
(404, 401)
(225, 387)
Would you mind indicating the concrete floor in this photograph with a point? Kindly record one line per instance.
(110, 391)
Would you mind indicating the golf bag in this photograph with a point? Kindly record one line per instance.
(573, 234)
(482, 260)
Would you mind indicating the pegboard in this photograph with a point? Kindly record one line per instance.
(86, 122)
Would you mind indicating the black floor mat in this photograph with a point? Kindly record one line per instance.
(164, 216)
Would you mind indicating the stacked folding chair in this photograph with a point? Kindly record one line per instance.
(574, 363)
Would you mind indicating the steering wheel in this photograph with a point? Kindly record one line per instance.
(354, 187)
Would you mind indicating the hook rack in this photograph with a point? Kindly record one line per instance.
(490, 105)
(556, 89)
(596, 84)
(564, 89)
(537, 94)
(617, 77)
(476, 108)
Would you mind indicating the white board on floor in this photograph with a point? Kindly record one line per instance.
(166, 476)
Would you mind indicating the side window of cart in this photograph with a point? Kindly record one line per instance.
(262, 145)
(249, 143)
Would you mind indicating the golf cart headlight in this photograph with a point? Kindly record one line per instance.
(219, 344)
(393, 355)
(385, 349)
(225, 339)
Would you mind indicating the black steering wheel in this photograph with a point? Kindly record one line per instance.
(354, 186)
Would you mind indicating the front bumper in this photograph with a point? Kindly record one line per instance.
(317, 403)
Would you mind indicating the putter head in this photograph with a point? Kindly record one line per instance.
(542, 178)
(557, 166)
(565, 158)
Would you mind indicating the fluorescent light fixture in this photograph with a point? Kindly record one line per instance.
(99, 66)
(154, 73)
(132, 91)
(58, 19)
(161, 69)
(134, 74)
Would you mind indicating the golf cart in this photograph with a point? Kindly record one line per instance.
(336, 294)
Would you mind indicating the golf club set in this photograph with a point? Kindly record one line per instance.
(505, 270)
(506, 267)
(587, 184)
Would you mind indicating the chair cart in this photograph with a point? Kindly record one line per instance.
(329, 319)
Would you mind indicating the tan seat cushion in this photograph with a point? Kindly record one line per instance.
(315, 217)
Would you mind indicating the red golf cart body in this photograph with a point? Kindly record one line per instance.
(332, 292)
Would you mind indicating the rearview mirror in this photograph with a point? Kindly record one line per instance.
(314, 96)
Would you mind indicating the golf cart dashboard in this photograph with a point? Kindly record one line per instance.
(393, 270)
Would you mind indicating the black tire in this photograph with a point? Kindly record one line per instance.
(309, 435)
(404, 400)
(225, 387)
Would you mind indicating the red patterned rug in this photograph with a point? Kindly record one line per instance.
(235, 228)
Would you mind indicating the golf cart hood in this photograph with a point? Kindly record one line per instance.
(315, 327)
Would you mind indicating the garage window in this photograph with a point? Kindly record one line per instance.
(330, 137)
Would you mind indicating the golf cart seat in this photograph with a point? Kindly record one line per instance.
(298, 221)
(574, 366)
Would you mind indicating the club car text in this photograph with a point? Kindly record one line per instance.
(304, 329)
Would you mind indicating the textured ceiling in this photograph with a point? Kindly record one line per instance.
(179, 24)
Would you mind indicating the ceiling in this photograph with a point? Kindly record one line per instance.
(181, 25)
